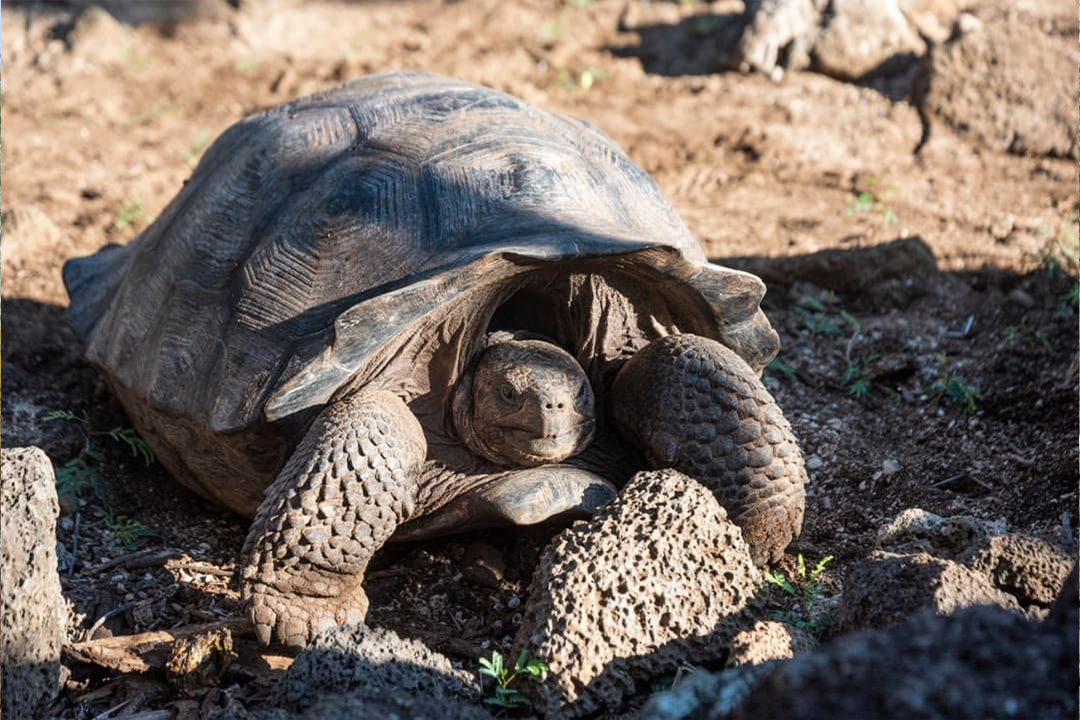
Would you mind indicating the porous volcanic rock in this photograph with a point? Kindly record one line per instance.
(980, 662)
(846, 39)
(779, 35)
(371, 663)
(356, 672)
(768, 640)
(657, 578)
(32, 618)
(861, 36)
(917, 531)
(885, 589)
(1026, 567)
(1005, 85)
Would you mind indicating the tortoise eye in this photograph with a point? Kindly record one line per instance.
(507, 393)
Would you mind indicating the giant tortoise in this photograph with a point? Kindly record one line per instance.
(412, 306)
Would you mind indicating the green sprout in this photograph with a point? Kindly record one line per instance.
(125, 531)
(191, 155)
(505, 696)
(950, 385)
(868, 202)
(807, 589)
(81, 471)
(131, 213)
(777, 366)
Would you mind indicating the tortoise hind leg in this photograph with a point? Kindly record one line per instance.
(349, 484)
(694, 405)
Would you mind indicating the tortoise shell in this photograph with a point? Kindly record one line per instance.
(373, 233)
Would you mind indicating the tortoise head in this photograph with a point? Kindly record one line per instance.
(525, 403)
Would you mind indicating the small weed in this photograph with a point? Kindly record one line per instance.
(807, 589)
(552, 32)
(505, 696)
(1019, 336)
(77, 474)
(854, 378)
(125, 531)
(1068, 302)
(705, 24)
(131, 214)
(776, 366)
(950, 385)
(247, 64)
(154, 112)
(868, 201)
(583, 80)
(191, 155)
(815, 315)
(81, 472)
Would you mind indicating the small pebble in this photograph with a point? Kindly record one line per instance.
(513, 602)
(890, 467)
(814, 463)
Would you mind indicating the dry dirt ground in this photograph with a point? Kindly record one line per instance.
(929, 355)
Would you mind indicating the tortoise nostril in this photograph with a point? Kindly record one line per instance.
(561, 405)
(548, 406)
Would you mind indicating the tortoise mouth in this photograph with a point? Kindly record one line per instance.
(529, 447)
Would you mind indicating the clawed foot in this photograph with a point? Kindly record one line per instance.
(293, 619)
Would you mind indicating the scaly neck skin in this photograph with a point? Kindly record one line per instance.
(525, 403)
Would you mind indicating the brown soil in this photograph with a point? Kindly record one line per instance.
(962, 331)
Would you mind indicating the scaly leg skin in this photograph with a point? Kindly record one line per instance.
(349, 484)
(694, 405)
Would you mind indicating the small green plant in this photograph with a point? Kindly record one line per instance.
(868, 201)
(854, 377)
(951, 386)
(125, 531)
(807, 589)
(705, 24)
(247, 64)
(81, 472)
(777, 366)
(1019, 336)
(131, 213)
(505, 696)
(815, 314)
(193, 151)
(552, 32)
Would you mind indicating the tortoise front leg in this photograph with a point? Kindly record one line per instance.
(349, 484)
(694, 405)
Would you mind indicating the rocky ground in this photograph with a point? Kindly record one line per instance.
(916, 223)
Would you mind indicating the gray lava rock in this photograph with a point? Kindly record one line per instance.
(768, 640)
(860, 36)
(885, 589)
(1006, 85)
(1026, 567)
(32, 619)
(779, 35)
(657, 578)
(706, 694)
(847, 39)
(917, 531)
(980, 662)
(352, 706)
(372, 664)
